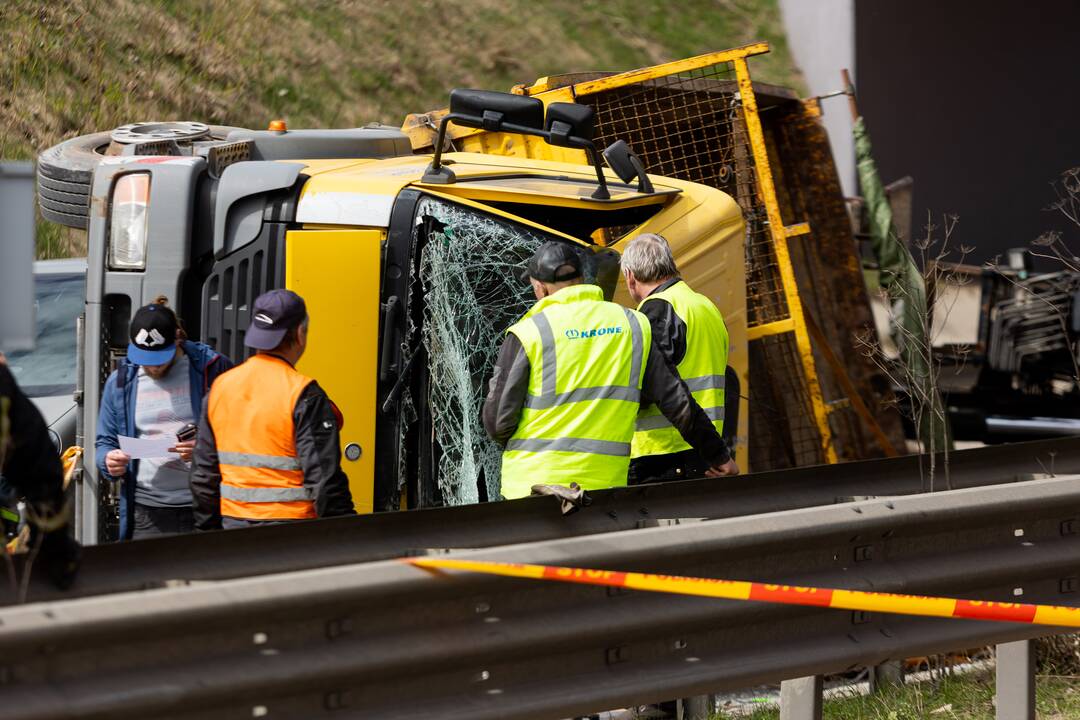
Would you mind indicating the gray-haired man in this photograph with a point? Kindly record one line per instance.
(688, 329)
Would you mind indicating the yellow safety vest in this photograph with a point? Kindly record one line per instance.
(586, 363)
(702, 368)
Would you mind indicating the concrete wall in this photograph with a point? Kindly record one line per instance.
(821, 34)
(978, 101)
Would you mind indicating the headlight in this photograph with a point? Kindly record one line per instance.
(127, 224)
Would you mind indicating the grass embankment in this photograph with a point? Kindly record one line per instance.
(77, 67)
(968, 697)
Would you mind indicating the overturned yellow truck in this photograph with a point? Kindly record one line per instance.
(408, 245)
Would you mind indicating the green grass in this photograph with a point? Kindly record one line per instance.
(83, 66)
(969, 697)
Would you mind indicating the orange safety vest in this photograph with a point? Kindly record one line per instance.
(251, 413)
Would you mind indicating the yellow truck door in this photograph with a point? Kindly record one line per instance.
(337, 272)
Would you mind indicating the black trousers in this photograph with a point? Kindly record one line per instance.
(152, 521)
(666, 468)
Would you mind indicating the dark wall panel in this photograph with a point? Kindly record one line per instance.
(977, 100)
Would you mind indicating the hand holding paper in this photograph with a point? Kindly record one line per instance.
(149, 447)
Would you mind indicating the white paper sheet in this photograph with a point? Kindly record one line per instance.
(148, 447)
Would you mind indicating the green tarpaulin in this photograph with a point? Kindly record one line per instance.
(903, 282)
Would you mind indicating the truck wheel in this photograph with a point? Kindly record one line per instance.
(66, 171)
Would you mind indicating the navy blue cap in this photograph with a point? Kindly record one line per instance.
(549, 258)
(153, 336)
(274, 314)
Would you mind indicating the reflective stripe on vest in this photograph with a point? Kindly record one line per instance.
(581, 445)
(251, 413)
(586, 361)
(265, 495)
(654, 422)
(274, 462)
(702, 369)
(548, 398)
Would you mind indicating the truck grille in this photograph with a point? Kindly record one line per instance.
(232, 286)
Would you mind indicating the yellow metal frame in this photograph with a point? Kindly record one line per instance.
(774, 328)
(422, 128)
(632, 77)
(780, 234)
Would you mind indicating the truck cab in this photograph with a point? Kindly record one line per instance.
(409, 263)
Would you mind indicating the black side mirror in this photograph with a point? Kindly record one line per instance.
(494, 111)
(569, 120)
(627, 165)
(607, 271)
(487, 110)
(571, 125)
(568, 125)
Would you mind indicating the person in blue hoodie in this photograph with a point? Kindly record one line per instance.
(157, 390)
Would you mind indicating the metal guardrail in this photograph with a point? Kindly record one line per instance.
(389, 640)
(326, 543)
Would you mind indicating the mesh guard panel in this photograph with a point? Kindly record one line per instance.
(690, 125)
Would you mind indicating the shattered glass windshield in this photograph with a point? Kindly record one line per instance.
(469, 274)
(469, 278)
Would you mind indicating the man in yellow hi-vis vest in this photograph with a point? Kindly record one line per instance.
(689, 331)
(570, 379)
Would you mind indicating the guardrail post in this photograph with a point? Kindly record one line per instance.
(800, 699)
(1016, 681)
(699, 707)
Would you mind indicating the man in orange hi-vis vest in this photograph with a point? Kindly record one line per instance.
(268, 447)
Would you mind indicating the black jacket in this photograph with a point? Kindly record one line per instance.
(669, 336)
(668, 329)
(661, 385)
(318, 448)
(30, 465)
(29, 462)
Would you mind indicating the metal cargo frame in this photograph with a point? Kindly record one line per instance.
(697, 119)
(834, 295)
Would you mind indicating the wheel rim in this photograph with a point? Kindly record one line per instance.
(151, 131)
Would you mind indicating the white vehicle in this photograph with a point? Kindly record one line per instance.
(47, 373)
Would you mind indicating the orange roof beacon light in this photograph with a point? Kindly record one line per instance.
(278, 126)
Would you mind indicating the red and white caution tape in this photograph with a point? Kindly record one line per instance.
(784, 594)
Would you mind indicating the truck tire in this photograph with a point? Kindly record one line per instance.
(66, 171)
(64, 174)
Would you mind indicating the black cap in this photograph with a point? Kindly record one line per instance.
(274, 314)
(153, 336)
(549, 258)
